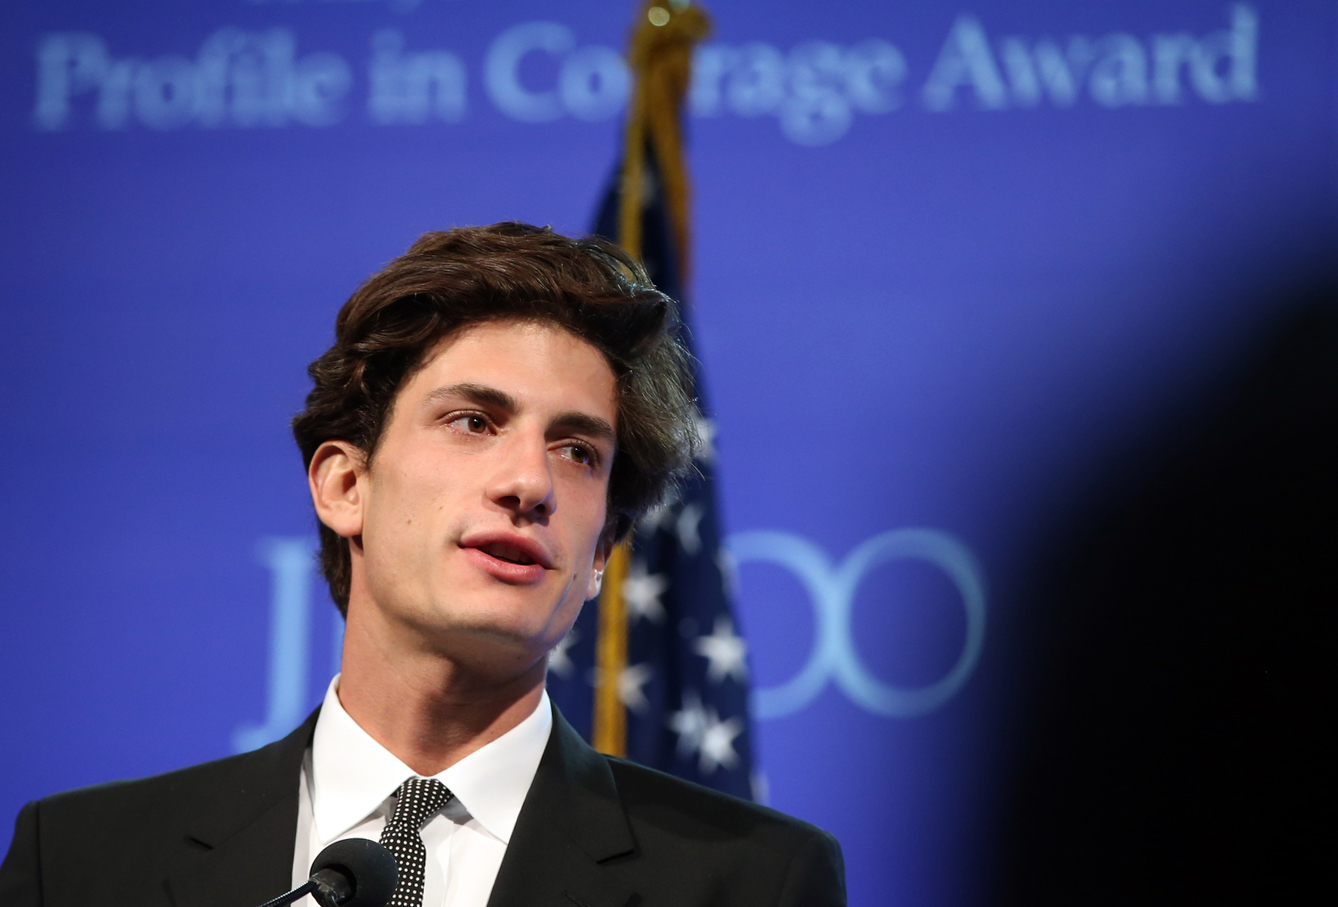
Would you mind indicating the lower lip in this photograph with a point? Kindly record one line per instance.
(520, 574)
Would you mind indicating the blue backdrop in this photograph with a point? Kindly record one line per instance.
(950, 261)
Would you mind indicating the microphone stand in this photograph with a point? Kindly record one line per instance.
(328, 887)
(306, 888)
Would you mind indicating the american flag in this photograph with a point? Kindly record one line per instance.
(685, 683)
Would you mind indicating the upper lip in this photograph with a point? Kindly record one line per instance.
(532, 549)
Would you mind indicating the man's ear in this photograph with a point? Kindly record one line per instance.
(337, 479)
(602, 554)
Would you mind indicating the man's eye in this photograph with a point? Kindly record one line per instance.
(580, 454)
(472, 423)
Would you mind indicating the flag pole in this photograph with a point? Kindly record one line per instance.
(660, 60)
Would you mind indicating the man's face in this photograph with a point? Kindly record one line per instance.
(483, 507)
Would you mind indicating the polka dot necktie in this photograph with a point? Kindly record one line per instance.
(416, 799)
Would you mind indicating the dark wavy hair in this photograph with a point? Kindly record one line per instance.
(451, 280)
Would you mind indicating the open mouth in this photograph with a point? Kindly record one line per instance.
(507, 553)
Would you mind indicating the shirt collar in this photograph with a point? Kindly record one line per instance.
(353, 775)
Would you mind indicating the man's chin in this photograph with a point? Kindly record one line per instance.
(490, 647)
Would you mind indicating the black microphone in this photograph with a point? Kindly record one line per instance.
(355, 872)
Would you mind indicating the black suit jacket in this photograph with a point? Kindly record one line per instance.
(594, 831)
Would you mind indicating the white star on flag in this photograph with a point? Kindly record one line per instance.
(686, 527)
(689, 724)
(705, 429)
(630, 681)
(725, 652)
(718, 742)
(559, 662)
(642, 591)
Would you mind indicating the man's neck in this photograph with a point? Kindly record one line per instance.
(424, 708)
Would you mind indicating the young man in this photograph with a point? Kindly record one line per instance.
(499, 407)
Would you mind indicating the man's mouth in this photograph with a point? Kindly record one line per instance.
(509, 556)
(508, 553)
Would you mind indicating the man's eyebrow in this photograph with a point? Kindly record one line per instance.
(586, 424)
(484, 395)
(479, 394)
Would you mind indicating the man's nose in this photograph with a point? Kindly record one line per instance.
(524, 479)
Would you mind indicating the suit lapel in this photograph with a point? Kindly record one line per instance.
(241, 844)
(572, 821)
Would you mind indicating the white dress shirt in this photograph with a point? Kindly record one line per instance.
(347, 787)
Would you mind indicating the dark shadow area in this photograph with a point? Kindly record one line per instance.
(1180, 741)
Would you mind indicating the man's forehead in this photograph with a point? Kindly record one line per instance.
(518, 365)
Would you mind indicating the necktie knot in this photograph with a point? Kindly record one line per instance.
(415, 801)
